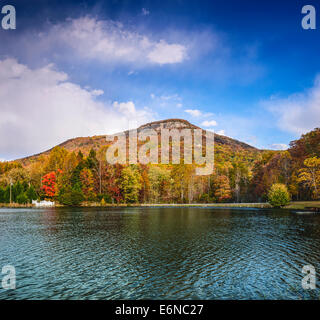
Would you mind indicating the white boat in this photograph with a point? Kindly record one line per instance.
(43, 203)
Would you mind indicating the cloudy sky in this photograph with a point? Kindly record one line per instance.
(78, 68)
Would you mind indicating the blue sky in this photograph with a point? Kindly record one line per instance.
(245, 69)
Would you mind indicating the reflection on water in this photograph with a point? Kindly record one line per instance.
(159, 253)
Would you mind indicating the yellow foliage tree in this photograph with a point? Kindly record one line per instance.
(310, 176)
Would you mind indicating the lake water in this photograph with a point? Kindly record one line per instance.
(159, 253)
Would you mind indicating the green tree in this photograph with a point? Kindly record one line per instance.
(6, 195)
(2, 195)
(22, 198)
(70, 196)
(17, 189)
(31, 194)
(76, 196)
(278, 195)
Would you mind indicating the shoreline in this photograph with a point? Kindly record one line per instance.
(297, 205)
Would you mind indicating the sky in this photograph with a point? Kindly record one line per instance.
(245, 69)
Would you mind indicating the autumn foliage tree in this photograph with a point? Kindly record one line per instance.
(112, 179)
(87, 182)
(49, 184)
(130, 183)
(222, 191)
(240, 175)
(309, 176)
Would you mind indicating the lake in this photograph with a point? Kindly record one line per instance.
(159, 253)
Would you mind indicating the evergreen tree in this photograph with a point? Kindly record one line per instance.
(22, 198)
(31, 194)
(2, 195)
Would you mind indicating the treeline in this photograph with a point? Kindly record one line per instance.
(18, 193)
(240, 176)
(298, 168)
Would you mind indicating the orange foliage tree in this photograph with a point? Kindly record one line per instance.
(223, 191)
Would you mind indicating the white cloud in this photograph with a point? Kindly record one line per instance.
(211, 123)
(210, 129)
(194, 112)
(201, 115)
(90, 39)
(279, 146)
(221, 132)
(125, 107)
(298, 113)
(163, 53)
(110, 42)
(41, 108)
(97, 92)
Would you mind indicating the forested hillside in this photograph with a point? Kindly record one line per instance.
(77, 171)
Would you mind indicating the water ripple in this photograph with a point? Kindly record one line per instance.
(158, 253)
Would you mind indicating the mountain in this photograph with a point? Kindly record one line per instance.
(184, 124)
(85, 144)
(241, 172)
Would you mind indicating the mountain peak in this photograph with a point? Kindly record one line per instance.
(169, 124)
(86, 143)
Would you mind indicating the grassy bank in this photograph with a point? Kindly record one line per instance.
(297, 205)
(303, 205)
(214, 205)
(179, 205)
(15, 205)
